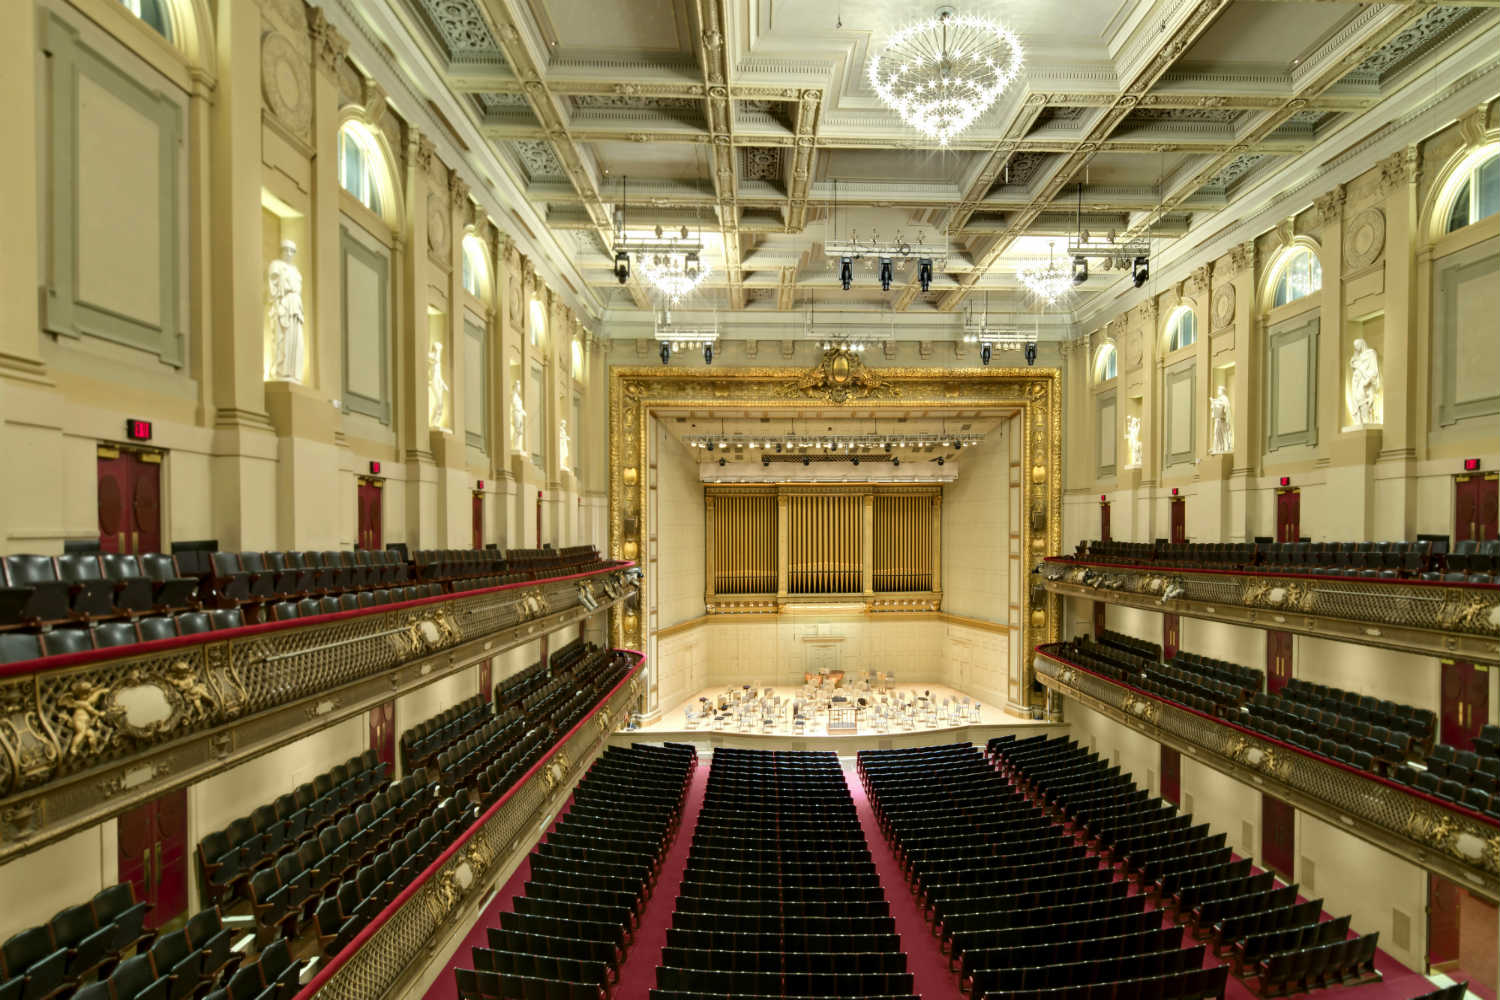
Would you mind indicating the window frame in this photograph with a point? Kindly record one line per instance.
(357, 136)
(1279, 279)
(1180, 318)
(1469, 190)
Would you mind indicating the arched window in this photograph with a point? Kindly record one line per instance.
(1478, 195)
(1300, 275)
(1182, 329)
(538, 322)
(358, 155)
(154, 13)
(476, 267)
(1107, 364)
(577, 358)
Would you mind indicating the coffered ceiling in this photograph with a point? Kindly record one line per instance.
(750, 119)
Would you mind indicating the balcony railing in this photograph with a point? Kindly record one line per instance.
(1433, 618)
(1431, 832)
(86, 736)
(388, 953)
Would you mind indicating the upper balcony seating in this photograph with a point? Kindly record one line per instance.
(590, 877)
(1469, 562)
(57, 604)
(1274, 939)
(84, 948)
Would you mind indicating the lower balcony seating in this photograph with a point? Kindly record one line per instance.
(780, 896)
(1470, 778)
(1021, 908)
(101, 949)
(1187, 680)
(1282, 943)
(83, 601)
(590, 877)
(424, 741)
(1357, 729)
(1469, 561)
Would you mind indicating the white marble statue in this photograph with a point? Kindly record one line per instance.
(1364, 384)
(564, 446)
(1220, 416)
(517, 419)
(437, 388)
(1132, 442)
(287, 319)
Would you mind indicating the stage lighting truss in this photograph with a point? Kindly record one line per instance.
(888, 260)
(686, 338)
(675, 267)
(868, 447)
(858, 339)
(1115, 255)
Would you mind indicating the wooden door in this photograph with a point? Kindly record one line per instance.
(486, 680)
(1178, 510)
(129, 500)
(1477, 514)
(477, 516)
(1278, 661)
(1171, 775)
(1443, 903)
(1099, 625)
(1171, 636)
(371, 524)
(383, 733)
(153, 855)
(1104, 520)
(538, 518)
(1277, 835)
(1465, 703)
(1288, 515)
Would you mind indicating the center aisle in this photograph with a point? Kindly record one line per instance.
(924, 955)
(638, 974)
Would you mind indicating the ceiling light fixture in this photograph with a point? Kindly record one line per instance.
(1044, 279)
(941, 74)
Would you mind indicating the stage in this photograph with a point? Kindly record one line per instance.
(904, 715)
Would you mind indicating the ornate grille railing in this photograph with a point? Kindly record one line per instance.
(1440, 836)
(1434, 618)
(397, 942)
(82, 736)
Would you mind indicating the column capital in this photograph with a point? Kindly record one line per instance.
(1330, 207)
(330, 47)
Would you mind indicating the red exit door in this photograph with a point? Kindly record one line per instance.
(477, 514)
(1477, 515)
(1288, 515)
(383, 734)
(1171, 637)
(153, 853)
(1277, 835)
(129, 500)
(1278, 661)
(1171, 775)
(371, 522)
(1178, 511)
(1465, 703)
(1103, 520)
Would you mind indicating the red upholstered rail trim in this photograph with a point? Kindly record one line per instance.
(45, 663)
(1164, 568)
(349, 949)
(1444, 803)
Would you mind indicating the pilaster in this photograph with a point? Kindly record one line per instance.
(1405, 345)
(411, 335)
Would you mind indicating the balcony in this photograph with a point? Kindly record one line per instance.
(1438, 835)
(87, 736)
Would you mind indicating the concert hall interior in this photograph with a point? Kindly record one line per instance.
(750, 500)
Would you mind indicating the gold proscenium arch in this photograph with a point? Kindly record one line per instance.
(842, 379)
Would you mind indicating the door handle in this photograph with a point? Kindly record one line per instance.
(158, 864)
(135, 541)
(146, 864)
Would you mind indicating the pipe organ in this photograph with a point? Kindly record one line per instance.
(794, 541)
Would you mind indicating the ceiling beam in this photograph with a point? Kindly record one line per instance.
(712, 49)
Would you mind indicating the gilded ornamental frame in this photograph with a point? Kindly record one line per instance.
(1033, 395)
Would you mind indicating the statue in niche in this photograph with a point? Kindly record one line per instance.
(1220, 415)
(437, 388)
(1132, 442)
(287, 319)
(564, 446)
(517, 419)
(1364, 384)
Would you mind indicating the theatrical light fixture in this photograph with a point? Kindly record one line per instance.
(896, 460)
(846, 272)
(1031, 352)
(886, 273)
(941, 74)
(940, 460)
(666, 352)
(1140, 271)
(1080, 269)
(622, 267)
(673, 265)
(924, 273)
(984, 353)
(708, 354)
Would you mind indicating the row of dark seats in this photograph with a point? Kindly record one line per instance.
(1207, 695)
(27, 644)
(1248, 679)
(1419, 723)
(1358, 742)
(512, 691)
(1190, 870)
(38, 591)
(1021, 907)
(424, 741)
(589, 878)
(1219, 683)
(1469, 561)
(102, 949)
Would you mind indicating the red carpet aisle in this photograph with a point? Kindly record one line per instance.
(638, 974)
(924, 956)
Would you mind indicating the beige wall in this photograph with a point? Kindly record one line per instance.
(1137, 755)
(59, 875)
(977, 524)
(1234, 643)
(1227, 805)
(1379, 673)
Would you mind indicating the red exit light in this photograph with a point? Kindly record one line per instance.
(1471, 465)
(138, 430)
(1286, 480)
(374, 468)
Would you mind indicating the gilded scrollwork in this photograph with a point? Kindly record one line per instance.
(839, 377)
(30, 747)
(1470, 612)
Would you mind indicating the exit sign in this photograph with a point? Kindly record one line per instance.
(1286, 480)
(1471, 465)
(374, 468)
(138, 430)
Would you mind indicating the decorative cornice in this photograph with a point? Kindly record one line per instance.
(330, 47)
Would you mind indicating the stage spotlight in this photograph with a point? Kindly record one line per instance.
(940, 460)
(924, 272)
(896, 461)
(1140, 271)
(778, 447)
(690, 265)
(666, 352)
(856, 461)
(709, 446)
(1031, 352)
(886, 273)
(846, 272)
(806, 460)
(957, 445)
(721, 461)
(708, 354)
(1080, 269)
(887, 446)
(622, 267)
(984, 353)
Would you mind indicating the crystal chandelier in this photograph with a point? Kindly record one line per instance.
(676, 271)
(1044, 279)
(941, 74)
